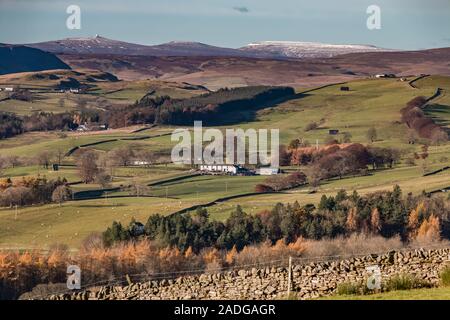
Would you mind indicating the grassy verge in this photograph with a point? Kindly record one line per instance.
(415, 294)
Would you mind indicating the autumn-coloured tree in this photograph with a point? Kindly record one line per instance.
(352, 220)
(413, 223)
(261, 188)
(231, 256)
(414, 219)
(375, 221)
(430, 229)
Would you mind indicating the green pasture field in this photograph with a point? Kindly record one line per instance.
(370, 102)
(441, 293)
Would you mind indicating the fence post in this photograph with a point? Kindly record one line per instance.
(129, 280)
(289, 277)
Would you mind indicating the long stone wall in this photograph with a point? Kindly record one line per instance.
(308, 281)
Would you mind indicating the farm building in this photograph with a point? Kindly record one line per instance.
(333, 132)
(268, 171)
(224, 168)
(385, 75)
(83, 127)
(141, 163)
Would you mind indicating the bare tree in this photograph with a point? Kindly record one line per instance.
(438, 137)
(123, 155)
(59, 155)
(2, 166)
(12, 161)
(314, 175)
(61, 194)
(138, 189)
(102, 178)
(371, 134)
(61, 103)
(87, 166)
(81, 102)
(347, 137)
(147, 156)
(44, 159)
(14, 196)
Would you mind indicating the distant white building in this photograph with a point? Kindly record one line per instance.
(83, 127)
(225, 168)
(8, 89)
(267, 171)
(385, 75)
(141, 163)
(72, 90)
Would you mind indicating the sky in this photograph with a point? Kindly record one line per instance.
(405, 24)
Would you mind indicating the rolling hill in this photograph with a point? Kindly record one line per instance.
(24, 59)
(295, 49)
(102, 45)
(265, 49)
(219, 71)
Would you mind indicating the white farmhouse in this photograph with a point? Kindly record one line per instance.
(141, 163)
(225, 168)
(268, 171)
(83, 127)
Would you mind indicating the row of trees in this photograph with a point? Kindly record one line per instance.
(150, 109)
(385, 213)
(28, 191)
(99, 166)
(210, 107)
(279, 182)
(338, 160)
(12, 124)
(414, 117)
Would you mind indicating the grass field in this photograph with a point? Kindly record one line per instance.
(442, 293)
(408, 178)
(42, 226)
(368, 103)
(46, 98)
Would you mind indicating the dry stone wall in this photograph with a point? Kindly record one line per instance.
(308, 280)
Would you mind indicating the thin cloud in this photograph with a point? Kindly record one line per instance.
(241, 9)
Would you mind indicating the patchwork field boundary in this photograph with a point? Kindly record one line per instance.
(72, 150)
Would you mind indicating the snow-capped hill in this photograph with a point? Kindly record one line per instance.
(264, 49)
(294, 49)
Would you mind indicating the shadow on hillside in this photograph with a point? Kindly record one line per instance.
(439, 113)
(249, 115)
